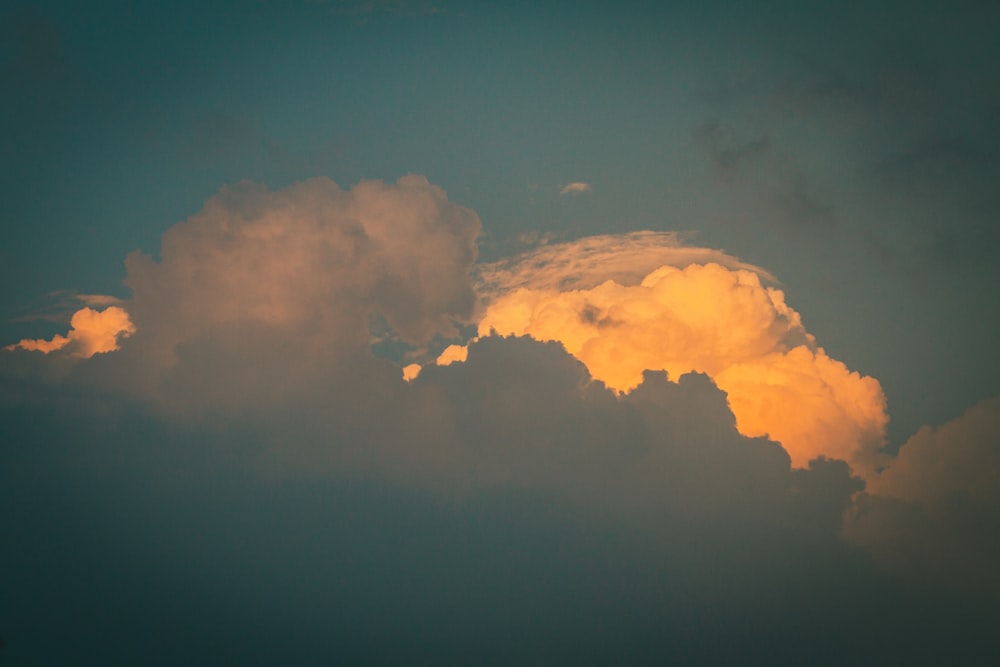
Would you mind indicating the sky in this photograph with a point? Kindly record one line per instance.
(396, 332)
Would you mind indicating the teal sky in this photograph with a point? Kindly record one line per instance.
(850, 149)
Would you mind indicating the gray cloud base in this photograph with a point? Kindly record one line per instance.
(499, 510)
(245, 482)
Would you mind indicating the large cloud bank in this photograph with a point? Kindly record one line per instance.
(245, 461)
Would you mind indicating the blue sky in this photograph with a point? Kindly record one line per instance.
(850, 151)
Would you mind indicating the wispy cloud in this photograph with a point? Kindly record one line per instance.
(575, 188)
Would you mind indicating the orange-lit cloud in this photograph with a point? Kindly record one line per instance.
(708, 317)
(91, 332)
(451, 354)
(282, 288)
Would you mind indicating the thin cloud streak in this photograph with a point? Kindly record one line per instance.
(575, 188)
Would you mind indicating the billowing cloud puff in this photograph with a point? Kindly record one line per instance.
(280, 285)
(960, 457)
(411, 371)
(91, 332)
(707, 318)
(575, 188)
(936, 506)
(451, 354)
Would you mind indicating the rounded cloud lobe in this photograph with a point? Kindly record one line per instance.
(936, 506)
(91, 332)
(701, 316)
(273, 287)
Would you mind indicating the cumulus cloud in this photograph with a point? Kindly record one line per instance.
(280, 289)
(411, 371)
(282, 286)
(960, 457)
(935, 508)
(91, 332)
(703, 316)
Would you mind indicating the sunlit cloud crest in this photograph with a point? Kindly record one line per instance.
(707, 318)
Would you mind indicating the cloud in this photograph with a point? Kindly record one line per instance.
(700, 317)
(284, 286)
(451, 354)
(960, 457)
(280, 289)
(766, 182)
(509, 496)
(933, 511)
(245, 440)
(411, 371)
(61, 304)
(99, 300)
(91, 332)
(590, 261)
(575, 188)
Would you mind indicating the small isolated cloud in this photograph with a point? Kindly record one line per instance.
(452, 354)
(91, 332)
(575, 188)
